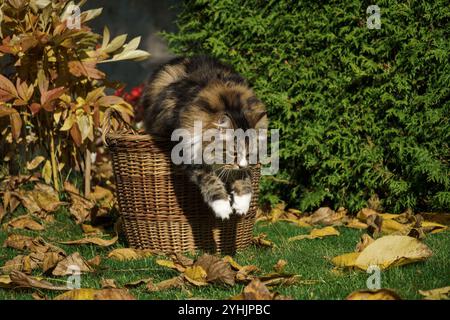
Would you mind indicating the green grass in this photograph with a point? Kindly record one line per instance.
(307, 258)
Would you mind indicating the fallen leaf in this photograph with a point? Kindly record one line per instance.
(386, 252)
(108, 284)
(27, 200)
(170, 264)
(73, 263)
(102, 196)
(5, 281)
(436, 294)
(137, 283)
(95, 261)
(39, 296)
(364, 241)
(355, 224)
(216, 269)
(21, 280)
(46, 197)
(381, 294)
(196, 275)
(125, 254)
(317, 233)
(256, 290)
(279, 266)
(88, 229)
(33, 164)
(26, 222)
(97, 241)
(363, 214)
(279, 279)
(17, 241)
(232, 262)
(175, 282)
(260, 240)
(93, 294)
(80, 208)
(327, 216)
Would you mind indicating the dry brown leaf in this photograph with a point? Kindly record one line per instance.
(436, 294)
(216, 269)
(27, 200)
(68, 265)
(261, 240)
(381, 294)
(355, 224)
(17, 241)
(175, 282)
(108, 284)
(182, 260)
(16, 263)
(90, 230)
(279, 279)
(39, 296)
(26, 222)
(364, 241)
(93, 240)
(317, 234)
(440, 218)
(125, 254)
(243, 275)
(93, 294)
(279, 266)
(327, 216)
(95, 261)
(80, 208)
(256, 290)
(104, 197)
(46, 197)
(137, 283)
(21, 280)
(363, 214)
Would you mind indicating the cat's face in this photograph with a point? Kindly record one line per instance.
(231, 116)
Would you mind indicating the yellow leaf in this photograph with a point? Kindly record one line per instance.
(125, 254)
(345, 260)
(433, 226)
(166, 263)
(196, 275)
(386, 252)
(47, 172)
(97, 241)
(33, 164)
(436, 294)
(389, 226)
(317, 233)
(381, 294)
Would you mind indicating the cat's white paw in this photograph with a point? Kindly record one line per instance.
(221, 208)
(242, 203)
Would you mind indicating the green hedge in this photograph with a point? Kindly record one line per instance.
(361, 112)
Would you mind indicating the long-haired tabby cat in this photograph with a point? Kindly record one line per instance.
(187, 90)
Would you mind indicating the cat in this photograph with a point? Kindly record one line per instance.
(187, 90)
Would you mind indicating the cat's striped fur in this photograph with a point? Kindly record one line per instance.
(204, 89)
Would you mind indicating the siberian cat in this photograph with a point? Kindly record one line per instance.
(188, 90)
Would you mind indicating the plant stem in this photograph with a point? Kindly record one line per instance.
(87, 173)
(53, 162)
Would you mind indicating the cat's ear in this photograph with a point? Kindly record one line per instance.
(257, 117)
(263, 120)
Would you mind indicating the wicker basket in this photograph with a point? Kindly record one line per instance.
(161, 209)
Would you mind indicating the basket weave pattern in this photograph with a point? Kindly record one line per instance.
(161, 208)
